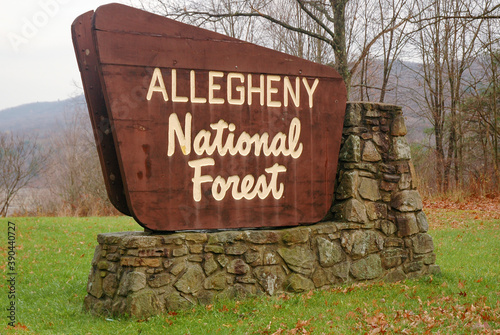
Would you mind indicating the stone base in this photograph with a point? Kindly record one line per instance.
(141, 274)
(379, 233)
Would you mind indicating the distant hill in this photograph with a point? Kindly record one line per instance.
(44, 118)
(39, 118)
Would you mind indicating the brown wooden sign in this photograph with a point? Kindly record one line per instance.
(197, 130)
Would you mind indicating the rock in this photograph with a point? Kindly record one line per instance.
(177, 239)
(394, 242)
(138, 262)
(405, 181)
(174, 301)
(195, 258)
(388, 186)
(102, 265)
(196, 248)
(216, 249)
(395, 276)
(361, 166)
(366, 136)
(413, 174)
(192, 280)
(422, 243)
(89, 303)
(109, 285)
(370, 152)
(372, 113)
(387, 168)
(339, 273)
(388, 227)
(347, 186)
(429, 259)
(246, 279)
(351, 149)
(400, 148)
(238, 267)
(216, 282)
(297, 283)
(131, 282)
(97, 254)
(196, 238)
(155, 252)
(367, 174)
(376, 210)
(182, 251)
(352, 210)
(367, 268)
(413, 266)
(210, 265)
(94, 284)
(144, 304)
(133, 241)
(271, 278)
(398, 127)
(324, 228)
(262, 236)
(236, 249)
(423, 225)
(205, 297)
(393, 257)
(96, 306)
(352, 115)
(359, 243)
(178, 268)
(329, 252)
(391, 178)
(434, 269)
(296, 235)
(222, 260)
(319, 278)
(298, 258)
(137, 281)
(159, 280)
(407, 224)
(225, 237)
(407, 201)
(368, 189)
(253, 257)
(238, 291)
(270, 257)
(382, 140)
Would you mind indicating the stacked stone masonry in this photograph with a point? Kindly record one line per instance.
(376, 231)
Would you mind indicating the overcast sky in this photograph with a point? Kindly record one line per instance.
(37, 61)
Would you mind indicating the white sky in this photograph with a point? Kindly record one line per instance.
(39, 65)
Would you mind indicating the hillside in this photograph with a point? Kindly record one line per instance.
(38, 118)
(44, 118)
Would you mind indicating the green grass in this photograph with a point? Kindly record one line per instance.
(54, 255)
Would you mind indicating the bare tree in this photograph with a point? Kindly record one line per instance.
(331, 24)
(394, 42)
(21, 161)
(448, 49)
(74, 178)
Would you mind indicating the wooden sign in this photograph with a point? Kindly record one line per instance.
(197, 130)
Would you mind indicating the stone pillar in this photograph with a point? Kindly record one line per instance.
(376, 197)
(376, 231)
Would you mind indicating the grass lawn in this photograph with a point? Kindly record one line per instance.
(54, 254)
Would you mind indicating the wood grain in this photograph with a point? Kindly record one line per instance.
(131, 44)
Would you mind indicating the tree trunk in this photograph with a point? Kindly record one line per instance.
(340, 49)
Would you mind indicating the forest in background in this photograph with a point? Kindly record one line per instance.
(438, 59)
